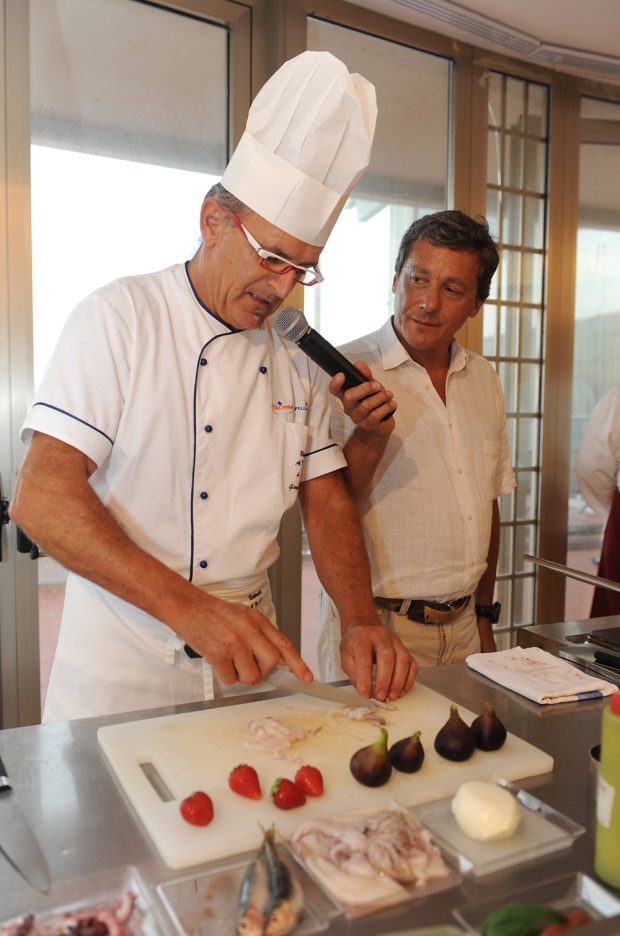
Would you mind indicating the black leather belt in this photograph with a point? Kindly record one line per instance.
(424, 612)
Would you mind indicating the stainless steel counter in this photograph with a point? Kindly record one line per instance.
(85, 825)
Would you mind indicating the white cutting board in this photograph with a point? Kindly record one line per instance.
(197, 751)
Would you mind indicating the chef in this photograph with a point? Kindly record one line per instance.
(173, 428)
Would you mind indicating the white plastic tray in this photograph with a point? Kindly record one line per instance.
(542, 830)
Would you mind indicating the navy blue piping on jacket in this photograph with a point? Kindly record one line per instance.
(324, 449)
(77, 419)
(191, 502)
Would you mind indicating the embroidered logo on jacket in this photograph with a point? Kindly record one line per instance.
(279, 406)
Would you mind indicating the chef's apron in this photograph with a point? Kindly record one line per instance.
(112, 657)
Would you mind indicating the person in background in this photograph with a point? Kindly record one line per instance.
(597, 467)
(173, 429)
(427, 451)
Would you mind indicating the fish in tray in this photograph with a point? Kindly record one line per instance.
(271, 902)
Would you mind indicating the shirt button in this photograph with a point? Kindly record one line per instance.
(203, 563)
(458, 470)
(449, 425)
(203, 361)
(210, 429)
(204, 495)
(263, 369)
(469, 516)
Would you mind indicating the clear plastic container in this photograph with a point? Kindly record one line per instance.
(205, 904)
(573, 891)
(81, 897)
(542, 830)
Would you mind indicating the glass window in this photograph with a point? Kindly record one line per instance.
(517, 209)
(596, 349)
(406, 178)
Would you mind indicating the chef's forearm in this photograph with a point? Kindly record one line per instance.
(57, 508)
(337, 546)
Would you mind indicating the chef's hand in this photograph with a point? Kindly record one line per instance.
(364, 646)
(370, 405)
(242, 645)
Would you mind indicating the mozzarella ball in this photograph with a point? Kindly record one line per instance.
(485, 811)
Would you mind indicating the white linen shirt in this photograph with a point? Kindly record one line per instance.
(201, 434)
(597, 464)
(427, 517)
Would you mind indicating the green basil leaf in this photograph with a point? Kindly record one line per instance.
(518, 919)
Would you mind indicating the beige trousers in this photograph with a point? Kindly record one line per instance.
(430, 644)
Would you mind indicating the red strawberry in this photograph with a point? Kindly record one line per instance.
(244, 781)
(286, 794)
(310, 780)
(197, 809)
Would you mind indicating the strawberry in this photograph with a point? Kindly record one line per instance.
(197, 809)
(244, 781)
(310, 780)
(286, 794)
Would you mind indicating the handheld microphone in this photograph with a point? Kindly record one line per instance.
(291, 323)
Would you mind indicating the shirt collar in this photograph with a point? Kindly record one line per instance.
(393, 353)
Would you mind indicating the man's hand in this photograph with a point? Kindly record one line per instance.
(240, 643)
(363, 646)
(370, 405)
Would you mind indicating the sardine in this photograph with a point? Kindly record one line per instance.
(253, 897)
(286, 900)
(271, 901)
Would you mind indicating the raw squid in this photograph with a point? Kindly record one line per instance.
(105, 920)
(270, 734)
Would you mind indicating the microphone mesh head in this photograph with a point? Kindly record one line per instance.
(291, 323)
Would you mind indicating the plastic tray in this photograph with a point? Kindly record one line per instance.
(205, 904)
(377, 893)
(542, 830)
(563, 894)
(80, 895)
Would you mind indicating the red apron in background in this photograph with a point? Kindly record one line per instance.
(605, 601)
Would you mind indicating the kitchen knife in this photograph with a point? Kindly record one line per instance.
(17, 840)
(339, 695)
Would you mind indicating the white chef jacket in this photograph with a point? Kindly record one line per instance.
(597, 464)
(201, 435)
(427, 517)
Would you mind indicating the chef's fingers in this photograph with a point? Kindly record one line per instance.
(405, 672)
(287, 653)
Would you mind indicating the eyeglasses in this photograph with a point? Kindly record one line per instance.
(307, 276)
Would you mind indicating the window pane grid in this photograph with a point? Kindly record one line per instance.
(513, 319)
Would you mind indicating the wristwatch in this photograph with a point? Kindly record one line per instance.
(489, 611)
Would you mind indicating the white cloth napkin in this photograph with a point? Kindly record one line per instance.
(538, 675)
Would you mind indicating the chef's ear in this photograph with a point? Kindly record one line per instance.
(212, 217)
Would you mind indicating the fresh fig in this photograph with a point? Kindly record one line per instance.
(407, 754)
(489, 732)
(371, 765)
(455, 741)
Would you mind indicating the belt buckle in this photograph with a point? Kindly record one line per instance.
(435, 615)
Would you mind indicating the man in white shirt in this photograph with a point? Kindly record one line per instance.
(174, 427)
(597, 466)
(427, 475)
